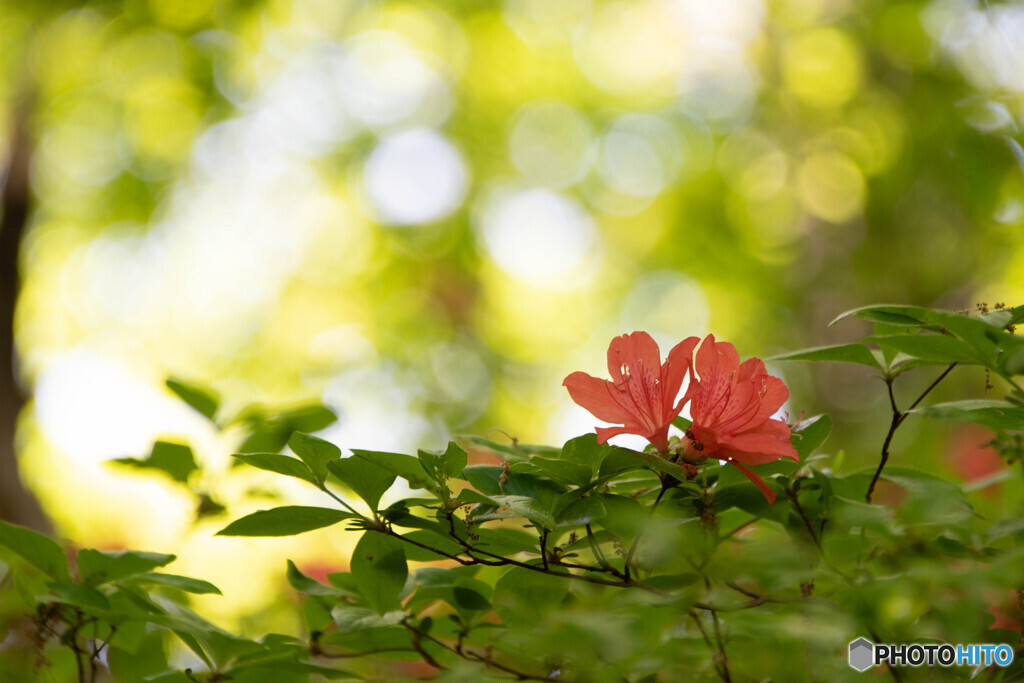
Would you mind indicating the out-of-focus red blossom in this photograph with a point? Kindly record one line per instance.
(1008, 609)
(732, 412)
(972, 458)
(642, 394)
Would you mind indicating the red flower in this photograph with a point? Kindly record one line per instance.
(732, 412)
(642, 396)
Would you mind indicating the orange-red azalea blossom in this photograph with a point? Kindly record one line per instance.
(643, 391)
(732, 412)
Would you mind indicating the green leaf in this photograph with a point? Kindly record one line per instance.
(379, 570)
(173, 459)
(981, 335)
(527, 507)
(203, 399)
(625, 516)
(891, 314)
(39, 550)
(433, 539)
(351, 619)
(269, 432)
(565, 471)
(515, 452)
(581, 512)
(183, 583)
(77, 595)
(659, 464)
(304, 584)
(526, 598)
(98, 566)
(451, 462)
(369, 481)
(279, 464)
(315, 452)
(810, 434)
(405, 466)
(841, 353)
(937, 348)
(284, 521)
(468, 598)
(997, 415)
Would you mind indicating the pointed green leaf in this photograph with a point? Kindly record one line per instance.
(351, 619)
(39, 550)
(527, 507)
(182, 583)
(369, 481)
(939, 348)
(379, 570)
(315, 452)
(997, 415)
(284, 521)
(841, 353)
(583, 511)
(279, 464)
(270, 431)
(810, 434)
(98, 566)
(564, 471)
(203, 399)
(405, 466)
(77, 595)
(891, 314)
(304, 584)
(454, 460)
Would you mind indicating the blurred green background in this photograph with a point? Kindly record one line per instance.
(427, 214)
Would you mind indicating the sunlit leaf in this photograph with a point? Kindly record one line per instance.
(173, 459)
(98, 566)
(39, 550)
(202, 398)
(841, 353)
(284, 521)
(368, 480)
(315, 452)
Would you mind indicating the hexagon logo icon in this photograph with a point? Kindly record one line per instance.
(862, 654)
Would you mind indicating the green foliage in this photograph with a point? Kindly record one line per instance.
(172, 459)
(592, 562)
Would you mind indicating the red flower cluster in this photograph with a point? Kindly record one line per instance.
(732, 402)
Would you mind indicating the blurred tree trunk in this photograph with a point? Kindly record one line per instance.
(17, 504)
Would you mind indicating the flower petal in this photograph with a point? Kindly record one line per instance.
(717, 363)
(596, 395)
(769, 441)
(757, 481)
(605, 433)
(673, 372)
(635, 351)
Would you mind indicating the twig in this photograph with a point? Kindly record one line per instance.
(897, 419)
(723, 673)
(803, 515)
(721, 648)
(469, 656)
(650, 513)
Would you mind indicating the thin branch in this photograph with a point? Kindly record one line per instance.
(364, 653)
(898, 418)
(723, 674)
(721, 648)
(803, 515)
(469, 656)
(930, 387)
(650, 513)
